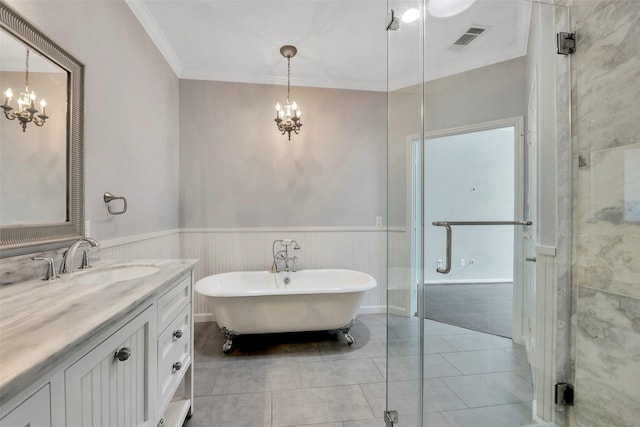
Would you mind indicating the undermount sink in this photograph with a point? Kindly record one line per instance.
(117, 273)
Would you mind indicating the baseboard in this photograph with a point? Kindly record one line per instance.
(316, 229)
(203, 317)
(399, 311)
(372, 309)
(467, 281)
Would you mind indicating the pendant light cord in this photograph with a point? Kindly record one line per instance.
(288, 78)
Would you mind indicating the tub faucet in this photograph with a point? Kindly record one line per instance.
(290, 267)
(68, 257)
(281, 259)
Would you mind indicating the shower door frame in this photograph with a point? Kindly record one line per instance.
(553, 360)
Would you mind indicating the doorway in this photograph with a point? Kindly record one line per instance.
(471, 173)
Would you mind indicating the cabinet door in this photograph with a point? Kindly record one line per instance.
(33, 412)
(107, 389)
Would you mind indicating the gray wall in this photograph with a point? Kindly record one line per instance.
(237, 170)
(489, 93)
(131, 112)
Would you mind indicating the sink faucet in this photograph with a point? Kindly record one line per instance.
(51, 268)
(281, 259)
(68, 257)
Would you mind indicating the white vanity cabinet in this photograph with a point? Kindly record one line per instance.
(126, 374)
(109, 386)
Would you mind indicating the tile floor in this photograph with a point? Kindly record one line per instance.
(316, 379)
(486, 307)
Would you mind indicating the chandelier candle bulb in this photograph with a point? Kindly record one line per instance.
(43, 104)
(9, 95)
(288, 117)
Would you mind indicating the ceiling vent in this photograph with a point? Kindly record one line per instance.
(470, 35)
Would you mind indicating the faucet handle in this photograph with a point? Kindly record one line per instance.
(63, 263)
(51, 268)
(85, 259)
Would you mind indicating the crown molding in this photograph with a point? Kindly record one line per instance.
(152, 28)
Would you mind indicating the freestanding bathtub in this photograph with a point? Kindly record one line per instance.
(258, 302)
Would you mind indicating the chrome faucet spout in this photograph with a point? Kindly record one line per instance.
(68, 258)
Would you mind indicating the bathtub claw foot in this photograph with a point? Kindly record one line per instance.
(346, 329)
(228, 345)
(349, 338)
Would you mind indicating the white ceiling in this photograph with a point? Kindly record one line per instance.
(341, 43)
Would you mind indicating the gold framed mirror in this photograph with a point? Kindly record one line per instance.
(42, 193)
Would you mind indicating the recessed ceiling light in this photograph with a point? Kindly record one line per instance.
(448, 8)
(410, 15)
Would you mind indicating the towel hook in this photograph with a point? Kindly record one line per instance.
(108, 198)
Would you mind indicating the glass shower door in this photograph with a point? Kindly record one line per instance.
(463, 151)
(405, 177)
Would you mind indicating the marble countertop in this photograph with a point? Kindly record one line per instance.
(42, 323)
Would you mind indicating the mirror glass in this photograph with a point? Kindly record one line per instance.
(33, 160)
(41, 149)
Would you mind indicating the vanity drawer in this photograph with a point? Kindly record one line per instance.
(33, 412)
(172, 303)
(171, 352)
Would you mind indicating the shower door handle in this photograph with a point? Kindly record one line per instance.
(447, 225)
(447, 266)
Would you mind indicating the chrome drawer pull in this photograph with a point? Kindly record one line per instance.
(123, 354)
(177, 334)
(177, 366)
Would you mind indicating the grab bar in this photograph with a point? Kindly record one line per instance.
(108, 198)
(447, 225)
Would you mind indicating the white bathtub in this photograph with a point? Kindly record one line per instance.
(257, 302)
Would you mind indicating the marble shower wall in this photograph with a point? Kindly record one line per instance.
(606, 158)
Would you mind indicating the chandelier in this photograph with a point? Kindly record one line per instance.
(288, 118)
(26, 112)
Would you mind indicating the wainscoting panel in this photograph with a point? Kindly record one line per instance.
(545, 333)
(161, 245)
(250, 249)
(400, 287)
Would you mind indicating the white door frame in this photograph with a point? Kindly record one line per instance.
(519, 232)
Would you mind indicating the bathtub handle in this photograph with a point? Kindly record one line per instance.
(447, 225)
